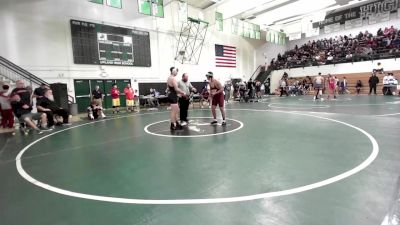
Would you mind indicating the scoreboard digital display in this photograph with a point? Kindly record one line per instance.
(100, 44)
(115, 49)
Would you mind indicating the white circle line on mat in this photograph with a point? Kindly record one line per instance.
(383, 115)
(360, 167)
(334, 100)
(296, 106)
(146, 129)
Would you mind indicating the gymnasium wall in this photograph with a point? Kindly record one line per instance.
(268, 51)
(36, 35)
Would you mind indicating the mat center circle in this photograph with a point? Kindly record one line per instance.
(196, 127)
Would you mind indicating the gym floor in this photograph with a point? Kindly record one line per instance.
(281, 161)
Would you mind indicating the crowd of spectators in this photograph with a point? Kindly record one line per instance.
(295, 86)
(48, 114)
(364, 46)
(19, 103)
(249, 91)
(291, 86)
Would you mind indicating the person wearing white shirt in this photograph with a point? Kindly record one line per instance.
(391, 82)
(386, 80)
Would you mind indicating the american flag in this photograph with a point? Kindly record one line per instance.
(225, 56)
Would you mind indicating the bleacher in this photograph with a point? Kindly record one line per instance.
(352, 79)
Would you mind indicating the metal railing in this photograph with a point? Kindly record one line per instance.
(13, 72)
(264, 74)
(257, 71)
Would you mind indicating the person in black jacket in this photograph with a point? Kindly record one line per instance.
(23, 92)
(39, 92)
(373, 81)
(250, 88)
(47, 105)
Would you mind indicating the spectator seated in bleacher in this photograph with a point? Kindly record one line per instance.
(47, 105)
(358, 86)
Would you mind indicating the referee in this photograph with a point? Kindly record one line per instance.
(184, 102)
(98, 96)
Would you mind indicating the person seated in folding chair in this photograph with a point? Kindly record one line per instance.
(23, 112)
(153, 100)
(47, 105)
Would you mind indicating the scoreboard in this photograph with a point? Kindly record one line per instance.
(115, 49)
(99, 44)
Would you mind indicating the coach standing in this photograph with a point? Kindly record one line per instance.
(184, 102)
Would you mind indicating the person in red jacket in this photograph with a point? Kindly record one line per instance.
(130, 98)
(115, 98)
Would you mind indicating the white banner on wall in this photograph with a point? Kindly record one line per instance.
(183, 11)
(312, 32)
(350, 24)
(332, 28)
(294, 36)
(379, 17)
(336, 27)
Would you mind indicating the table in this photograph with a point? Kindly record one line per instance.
(388, 89)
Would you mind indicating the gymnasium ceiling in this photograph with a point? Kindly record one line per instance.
(273, 12)
(201, 4)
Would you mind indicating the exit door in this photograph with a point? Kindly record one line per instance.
(82, 94)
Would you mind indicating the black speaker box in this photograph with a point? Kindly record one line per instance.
(60, 93)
